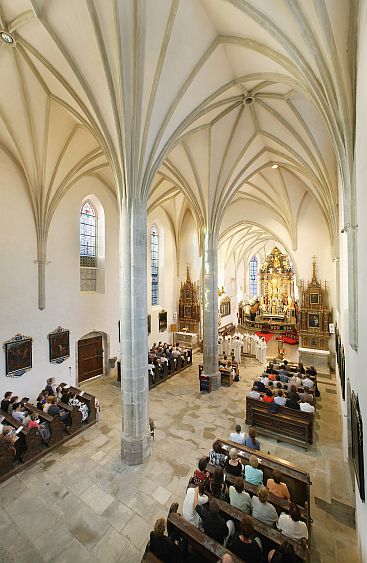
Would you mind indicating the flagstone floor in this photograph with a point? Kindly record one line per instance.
(80, 503)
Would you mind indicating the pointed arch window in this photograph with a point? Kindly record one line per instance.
(253, 276)
(154, 265)
(88, 247)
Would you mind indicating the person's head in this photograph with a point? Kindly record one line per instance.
(294, 512)
(219, 474)
(6, 430)
(306, 391)
(254, 462)
(277, 378)
(51, 400)
(238, 428)
(270, 385)
(279, 385)
(252, 434)
(263, 494)
(247, 527)
(62, 385)
(14, 399)
(160, 527)
(271, 365)
(233, 453)
(269, 393)
(293, 397)
(34, 416)
(214, 508)
(17, 406)
(277, 476)
(227, 558)
(40, 398)
(239, 485)
(173, 508)
(50, 380)
(217, 447)
(300, 365)
(203, 462)
(8, 395)
(285, 362)
(282, 366)
(306, 399)
(45, 393)
(280, 393)
(255, 388)
(293, 389)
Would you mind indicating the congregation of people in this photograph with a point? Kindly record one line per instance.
(163, 353)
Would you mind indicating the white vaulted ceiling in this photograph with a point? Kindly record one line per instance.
(190, 101)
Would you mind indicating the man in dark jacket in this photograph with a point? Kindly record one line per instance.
(213, 524)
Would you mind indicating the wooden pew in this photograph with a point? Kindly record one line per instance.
(75, 416)
(300, 424)
(226, 377)
(55, 423)
(89, 400)
(201, 543)
(297, 480)
(272, 536)
(32, 439)
(165, 371)
(7, 457)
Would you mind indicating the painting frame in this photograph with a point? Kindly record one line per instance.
(18, 355)
(314, 320)
(357, 444)
(314, 299)
(162, 321)
(59, 345)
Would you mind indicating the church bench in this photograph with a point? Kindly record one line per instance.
(150, 557)
(166, 370)
(55, 423)
(89, 400)
(297, 480)
(7, 458)
(226, 377)
(280, 505)
(31, 438)
(75, 416)
(288, 424)
(208, 548)
(271, 538)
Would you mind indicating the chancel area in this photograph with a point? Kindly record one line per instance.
(182, 290)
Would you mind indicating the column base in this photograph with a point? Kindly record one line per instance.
(215, 380)
(135, 451)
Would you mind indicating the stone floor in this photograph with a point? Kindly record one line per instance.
(80, 503)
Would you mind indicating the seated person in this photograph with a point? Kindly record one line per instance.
(268, 397)
(238, 497)
(244, 544)
(311, 371)
(200, 474)
(215, 455)
(260, 386)
(161, 546)
(262, 509)
(292, 401)
(194, 496)
(251, 441)
(54, 410)
(272, 376)
(5, 402)
(306, 396)
(13, 400)
(83, 408)
(290, 524)
(214, 525)
(270, 368)
(18, 412)
(305, 406)
(51, 386)
(307, 382)
(253, 474)
(217, 485)
(237, 436)
(284, 553)
(254, 393)
(43, 429)
(301, 369)
(264, 379)
(283, 376)
(233, 466)
(280, 399)
(294, 380)
(276, 487)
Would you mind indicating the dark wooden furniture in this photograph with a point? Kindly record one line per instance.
(226, 377)
(166, 370)
(286, 424)
(208, 548)
(55, 424)
(7, 457)
(297, 480)
(270, 537)
(90, 358)
(89, 400)
(32, 440)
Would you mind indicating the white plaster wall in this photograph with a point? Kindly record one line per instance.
(65, 305)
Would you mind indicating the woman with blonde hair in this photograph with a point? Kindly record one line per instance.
(233, 466)
(262, 509)
(161, 546)
(252, 473)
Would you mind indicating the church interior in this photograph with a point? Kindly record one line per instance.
(187, 183)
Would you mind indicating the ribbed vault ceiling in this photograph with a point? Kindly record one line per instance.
(190, 101)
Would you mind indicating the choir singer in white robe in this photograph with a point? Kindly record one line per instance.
(237, 350)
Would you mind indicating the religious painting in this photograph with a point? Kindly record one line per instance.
(18, 355)
(225, 307)
(187, 311)
(357, 444)
(313, 320)
(162, 321)
(149, 323)
(59, 345)
(314, 298)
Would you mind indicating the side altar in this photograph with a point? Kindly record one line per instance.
(188, 308)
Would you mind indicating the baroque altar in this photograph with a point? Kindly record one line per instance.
(189, 306)
(276, 280)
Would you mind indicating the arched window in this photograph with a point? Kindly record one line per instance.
(88, 247)
(253, 276)
(154, 246)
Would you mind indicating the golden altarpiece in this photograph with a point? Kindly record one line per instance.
(276, 281)
(189, 306)
(315, 317)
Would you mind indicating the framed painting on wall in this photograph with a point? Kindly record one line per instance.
(18, 355)
(357, 444)
(313, 320)
(314, 298)
(162, 321)
(59, 345)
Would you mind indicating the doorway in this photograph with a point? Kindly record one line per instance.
(90, 358)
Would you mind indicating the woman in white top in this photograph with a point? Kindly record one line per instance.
(192, 499)
(290, 524)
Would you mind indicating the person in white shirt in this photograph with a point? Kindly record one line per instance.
(307, 382)
(280, 399)
(290, 524)
(305, 406)
(238, 436)
(237, 350)
(254, 393)
(192, 499)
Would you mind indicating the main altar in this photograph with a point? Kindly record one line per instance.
(274, 309)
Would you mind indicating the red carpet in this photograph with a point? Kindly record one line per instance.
(288, 339)
(268, 336)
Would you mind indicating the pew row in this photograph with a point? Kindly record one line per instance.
(166, 370)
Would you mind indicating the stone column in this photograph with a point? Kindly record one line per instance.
(210, 308)
(135, 437)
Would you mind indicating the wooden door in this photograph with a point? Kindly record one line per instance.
(90, 358)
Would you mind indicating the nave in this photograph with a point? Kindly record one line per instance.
(80, 503)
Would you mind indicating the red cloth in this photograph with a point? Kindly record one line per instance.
(267, 399)
(266, 335)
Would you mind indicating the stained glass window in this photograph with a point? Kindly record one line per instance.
(88, 247)
(154, 241)
(253, 276)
